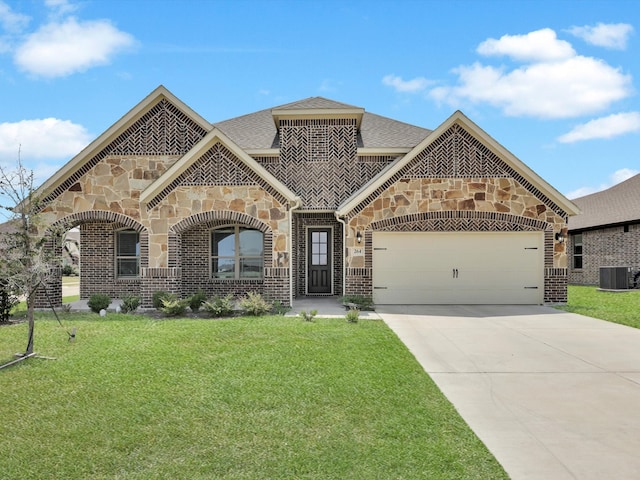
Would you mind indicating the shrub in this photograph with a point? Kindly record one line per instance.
(353, 315)
(172, 307)
(98, 301)
(130, 303)
(196, 300)
(308, 317)
(277, 308)
(7, 301)
(68, 270)
(219, 306)
(160, 295)
(254, 304)
(361, 302)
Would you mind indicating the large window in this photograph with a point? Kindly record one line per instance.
(127, 253)
(577, 251)
(236, 252)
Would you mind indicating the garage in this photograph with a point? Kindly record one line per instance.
(458, 267)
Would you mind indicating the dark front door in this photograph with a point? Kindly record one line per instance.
(319, 260)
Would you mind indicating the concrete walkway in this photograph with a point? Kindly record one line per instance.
(553, 395)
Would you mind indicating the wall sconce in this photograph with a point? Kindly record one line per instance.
(359, 237)
(560, 237)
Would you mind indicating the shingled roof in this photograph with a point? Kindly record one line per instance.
(257, 130)
(616, 205)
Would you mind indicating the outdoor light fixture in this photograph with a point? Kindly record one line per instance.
(559, 237)
(358, 237)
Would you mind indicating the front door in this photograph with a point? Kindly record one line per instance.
(319, 260)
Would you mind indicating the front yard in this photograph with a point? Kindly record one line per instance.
(618, 307)
(242, 398)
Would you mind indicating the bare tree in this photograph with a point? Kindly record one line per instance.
(24, 262)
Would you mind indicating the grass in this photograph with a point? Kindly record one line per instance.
(623, 308)
(243, 398)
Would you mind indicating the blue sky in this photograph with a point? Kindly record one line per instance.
(555, 82)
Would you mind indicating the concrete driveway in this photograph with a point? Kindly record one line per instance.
(553, 395)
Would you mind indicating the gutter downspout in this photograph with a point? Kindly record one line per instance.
(295, 204)
(344, 249)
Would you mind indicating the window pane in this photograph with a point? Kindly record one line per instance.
(223, 243)
(250, 243)
(577, 262)
(315, 237)
(128, 244)
(250, 267)
(223, 268)
(127, 267)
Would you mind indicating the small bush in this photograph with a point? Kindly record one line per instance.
(308, 317)
(130, 303)
(352, 315)
(196, 300)
(68, 271)
(7, 301)
(160, 295)
(254, 304)
(361, 302)
(99, 301)
(172, 307)
(219, 306)
(277, 308)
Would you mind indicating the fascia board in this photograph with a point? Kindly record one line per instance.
(213, 137)
(116, 129)
(569, 207)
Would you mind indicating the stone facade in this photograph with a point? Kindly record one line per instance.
(172, 178)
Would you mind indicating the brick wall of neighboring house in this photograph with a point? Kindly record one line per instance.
(606, 247)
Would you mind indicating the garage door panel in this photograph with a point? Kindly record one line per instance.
(465, 267)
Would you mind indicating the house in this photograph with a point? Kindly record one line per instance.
(314, 197)
(607, 233)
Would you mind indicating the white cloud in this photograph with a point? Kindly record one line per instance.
(11, 21)
(415, 85)
(564, 89)
(541, 45)
(610, 35)
(616, 177)
(554, 83)
(60, 49)
(48, 138)
(61, 7)
(605, 127)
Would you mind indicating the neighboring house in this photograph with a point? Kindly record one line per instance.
(314, 197)
(71, 248)
(607, 234)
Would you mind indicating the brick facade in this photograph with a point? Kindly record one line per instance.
(605, 247)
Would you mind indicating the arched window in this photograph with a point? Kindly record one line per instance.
(236, 252)
(127, 254)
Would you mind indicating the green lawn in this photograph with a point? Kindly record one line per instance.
(243, 398)
(623, 307)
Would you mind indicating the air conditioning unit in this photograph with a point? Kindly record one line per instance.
(614, 278)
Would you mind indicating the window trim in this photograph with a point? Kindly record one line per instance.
(118, 257)
(575, 255)
(237, 257)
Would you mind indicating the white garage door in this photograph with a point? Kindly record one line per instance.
(458, 268)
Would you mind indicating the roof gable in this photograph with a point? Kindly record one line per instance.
(615, 205)
(188, 170)
(141, 131)
(486, 158)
